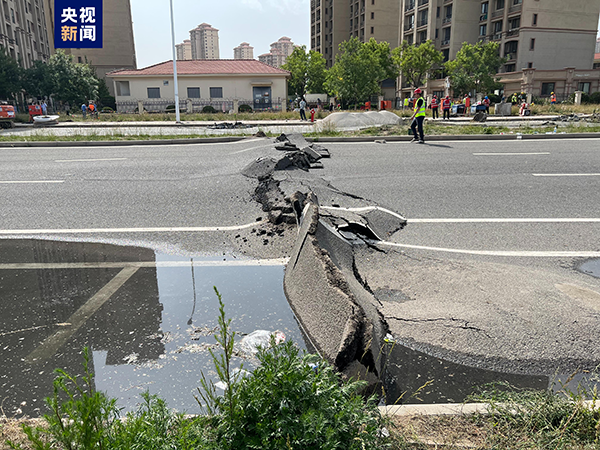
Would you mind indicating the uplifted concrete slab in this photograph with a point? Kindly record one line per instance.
(492, 315)
(345, 120)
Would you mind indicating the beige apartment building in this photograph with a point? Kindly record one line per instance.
(26, 30)
(548, 35)
(336, 21)
(243, 51)
(205, 42)
(279, 53)
(184, 50)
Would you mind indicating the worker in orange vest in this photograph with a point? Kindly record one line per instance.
(553, 98)
(435, 104)
(446, 105)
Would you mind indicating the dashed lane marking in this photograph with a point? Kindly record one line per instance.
(566, 174)
(508, 220)
(510, 154)
(89, 160)
(33, 182)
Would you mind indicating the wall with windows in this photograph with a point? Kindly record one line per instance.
(131, 89)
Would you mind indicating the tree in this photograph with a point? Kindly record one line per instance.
(358, 70)
(475, 68)
(10, 76)
(417, 63)
(73, 82)
(37, 81)
(308, 71)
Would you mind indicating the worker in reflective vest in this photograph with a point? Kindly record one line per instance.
(435, 105)
(553, 98)
(446, 105)
(406, 103)
(418, 117)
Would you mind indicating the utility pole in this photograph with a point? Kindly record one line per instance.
(177, 115)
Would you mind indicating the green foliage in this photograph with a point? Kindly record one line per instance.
(417, 63)
(358, 70)
(475, 68)
(170, 108)
(245, 109)
(544, 418)
(10, 75)
(80, 417)
(594, 99)
(71, 82)
(307, 71)
(208, 110)
(104, 97)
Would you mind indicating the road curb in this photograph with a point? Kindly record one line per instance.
(71, 144)
(459, 137)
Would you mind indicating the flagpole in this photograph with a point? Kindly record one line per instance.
(177, 115)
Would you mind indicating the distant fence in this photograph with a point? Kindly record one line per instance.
(192, 105)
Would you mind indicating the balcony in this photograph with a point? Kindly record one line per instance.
(497, 37)
(511, 56)
(483, 17)
(512, 33)
(446, 42)
(422, 23)
(409, 26)
(423, 2)
(409, 6)
(447, 19)
(499, 13)
(447, 1)
(514, 9)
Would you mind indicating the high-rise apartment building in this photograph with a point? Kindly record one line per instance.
(25, 30)
(184, 50)
(205, 42)
(335, 21)
(552, 34)
(243, 51)
(279, 53)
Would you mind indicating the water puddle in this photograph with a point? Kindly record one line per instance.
(591, 267)
(147, 318)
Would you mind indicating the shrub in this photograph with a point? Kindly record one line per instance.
(208, 110)
(594, 98)
(245, 109)
(170, 109)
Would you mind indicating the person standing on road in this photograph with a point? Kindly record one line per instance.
(435, 105)
(418, 117)
(446, 105)
(486, 102)
(302, 109)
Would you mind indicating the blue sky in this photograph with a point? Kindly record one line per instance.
(259, 22)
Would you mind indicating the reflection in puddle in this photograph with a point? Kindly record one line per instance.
(147, 332)
(591, 267)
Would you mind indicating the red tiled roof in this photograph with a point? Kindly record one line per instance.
(207, 67)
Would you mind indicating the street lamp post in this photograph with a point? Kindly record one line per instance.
(177, 115)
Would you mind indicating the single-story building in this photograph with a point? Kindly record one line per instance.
(221, 83)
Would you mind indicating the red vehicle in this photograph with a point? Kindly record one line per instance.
(7, 116)
(35, 110)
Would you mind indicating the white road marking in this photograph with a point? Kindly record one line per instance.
(527, 254)
(132, 230)
(33, 182)
(145, 264)
(500, 220)
(52, 344)
(510, 154)
(566, 174)
(250, 149)
(363, 209)
(89, 160)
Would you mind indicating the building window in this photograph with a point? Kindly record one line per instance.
(372, 2)
(193, 92)
(534, 23)
(153, 92)
(372, 30)
(483, 30)
(585, 87)
(216, 92)
(123, 89)
(547, 88)
(79, 60)
(517, 2)
(437, 14)
(530, 65)
(510, 49)
(437, 33)
(446, 54)
(532, 44)
(372, 15)
(515, 23)
(499, 4)
(165, 82)
(484, 7)
(510, 68)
